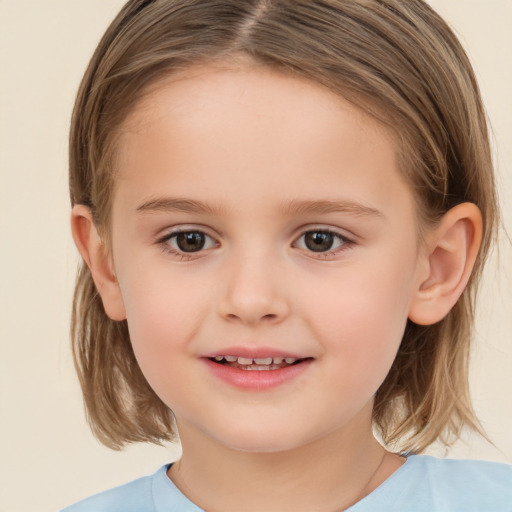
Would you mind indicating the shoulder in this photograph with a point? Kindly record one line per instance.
(450, 484)
(462, 471)
(426, 484)
(135, 496)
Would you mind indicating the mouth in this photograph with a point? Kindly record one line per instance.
(256, 364)
(265, 372)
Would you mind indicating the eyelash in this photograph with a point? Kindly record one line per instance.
(344, 243)
(165, 243)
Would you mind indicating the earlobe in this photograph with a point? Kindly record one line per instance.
(452, 248)
(96, 257)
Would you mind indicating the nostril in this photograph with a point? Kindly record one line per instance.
(268, 318)
(251, 308)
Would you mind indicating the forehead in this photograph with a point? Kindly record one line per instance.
(248, 85)
(219, 125)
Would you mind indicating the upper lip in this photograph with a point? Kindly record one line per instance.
(253, 353)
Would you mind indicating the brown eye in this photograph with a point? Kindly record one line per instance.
(187, 242)
(318, 241)
(190, 241)
(321, 241)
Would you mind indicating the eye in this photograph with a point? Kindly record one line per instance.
(321, 241)
(188, 241)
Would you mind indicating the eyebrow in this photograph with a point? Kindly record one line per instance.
(169, 204)
(324, 207)
(294, 207)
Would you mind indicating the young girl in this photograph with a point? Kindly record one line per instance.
(283, 207)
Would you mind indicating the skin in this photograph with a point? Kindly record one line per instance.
(266, 156)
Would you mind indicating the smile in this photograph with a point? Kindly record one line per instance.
(256, 364)
(258, 373)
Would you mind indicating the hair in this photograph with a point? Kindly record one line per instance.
(398, 61)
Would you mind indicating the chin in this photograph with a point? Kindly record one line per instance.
(264, 440)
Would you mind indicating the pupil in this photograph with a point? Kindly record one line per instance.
(318, 242)
(190, 241)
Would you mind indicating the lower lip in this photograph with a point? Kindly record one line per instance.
(257, 380)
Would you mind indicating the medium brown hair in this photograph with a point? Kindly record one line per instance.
(395, 59)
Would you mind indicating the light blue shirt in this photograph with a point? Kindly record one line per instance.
(422, 484)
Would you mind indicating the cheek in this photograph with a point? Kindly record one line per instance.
(163, 316)
(361, 314)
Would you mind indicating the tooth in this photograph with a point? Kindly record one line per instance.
(244, 360)
(290, 360)
(230, 359)
(219, 358)
(266, 360)
(278, 360)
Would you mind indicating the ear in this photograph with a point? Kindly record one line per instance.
(99, 261)
(452, 248)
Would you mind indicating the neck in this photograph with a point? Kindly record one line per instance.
(328, 474)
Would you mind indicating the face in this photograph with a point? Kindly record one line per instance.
(265, 247)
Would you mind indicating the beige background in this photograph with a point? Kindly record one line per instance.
(48, 458)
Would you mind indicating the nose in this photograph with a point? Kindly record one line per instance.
(254, 291)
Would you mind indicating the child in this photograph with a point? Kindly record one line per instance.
(283, 207)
